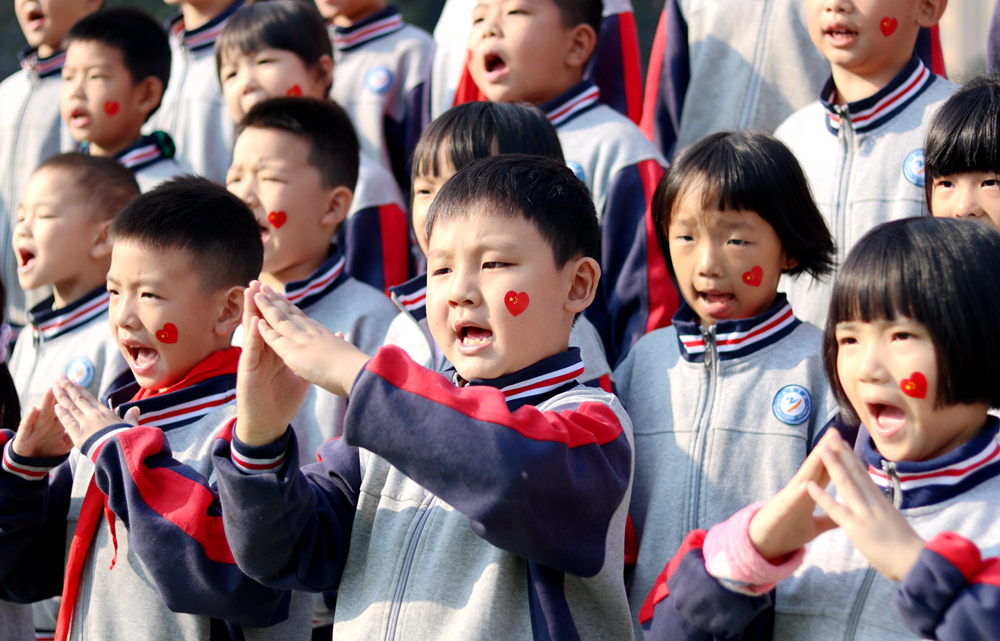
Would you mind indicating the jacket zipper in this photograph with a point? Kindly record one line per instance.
(846, 136)
(404, 572)
(712, 368)
(896, 494)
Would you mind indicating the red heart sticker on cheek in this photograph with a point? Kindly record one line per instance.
(111, 107)
(754, 276)
(294, 92)
(915, 386)
(168, 334)
(888, 26)
(516, 303)
(277, 218)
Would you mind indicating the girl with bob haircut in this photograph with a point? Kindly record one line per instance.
(907, 547)
(727, 402)
(962, 155)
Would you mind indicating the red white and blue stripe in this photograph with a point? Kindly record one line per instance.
(29, 469)
(878, 109)
(537, 383)
(182, 407)
(204, 36)
(48, 324)
(42, 67)
(735, 338)
(308, 291)
(411, 297)
(578, 100)
(145, 152)
(381, 24)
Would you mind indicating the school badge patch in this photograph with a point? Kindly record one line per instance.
(577, 169)
(80, 370)
(792, 405)
(379, 80)
(913, 167)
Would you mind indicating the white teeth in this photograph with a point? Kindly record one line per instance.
(473, 341)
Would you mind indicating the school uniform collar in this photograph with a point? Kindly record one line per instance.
(307, 292)
(383, 23)
(735, 338)
(411, 297)
(578, 100)
(148, 150)
(48, 324)
(204, 36)
(35, 65)
(536, 383)
(945, 477)
(207, 387)
(876, 110)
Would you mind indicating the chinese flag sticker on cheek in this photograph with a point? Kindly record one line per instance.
(168, 334)
(516, 303)
(915, 386)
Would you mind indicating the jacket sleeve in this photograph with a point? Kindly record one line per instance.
(951, 593)
(667, 80)
(167, 505)
(615, 65)
(34, 502)
(376, 244)
(541, 485)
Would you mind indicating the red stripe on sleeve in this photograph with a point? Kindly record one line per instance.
(989, 573)
(629, 36)
(395, 232)
(648, 122)
(662, 294)
(694, 540)
(958, 551)
(590, 423)
(605, 383)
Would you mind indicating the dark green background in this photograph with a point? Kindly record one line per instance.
(423, 13)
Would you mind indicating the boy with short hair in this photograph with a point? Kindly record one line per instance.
(181, 257)
(382, 79)
(295, 165)
(30, 128)
(513, 467)
(861, 143)
(117, 67)
(539, 55)
(193, 111)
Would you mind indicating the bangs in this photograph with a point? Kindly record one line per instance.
(876, 286)
(286, 25)
(962, 137)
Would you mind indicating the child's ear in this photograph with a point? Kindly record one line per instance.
(929, 12)
(148, 94)
(787, 262)
(337, 207)
(101, 247)
(323, 73)
(584, 274)
(583, 40)
(231, 315)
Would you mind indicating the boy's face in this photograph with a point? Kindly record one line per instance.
(270, 73)
(100, 102)
(163, 320)
(727, 262)
(296, 213)
(520, 50)
(888, 370)
(425, 188)
(973, 195)
(496, 302)
(45, 22)
(56, 231)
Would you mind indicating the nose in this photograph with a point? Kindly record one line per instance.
(838, 6)
(464, 290)
(709, 264)
(22, 228)
(246, 80)
(967, 203)
(871, 364)
(489, 25)
(122, 312)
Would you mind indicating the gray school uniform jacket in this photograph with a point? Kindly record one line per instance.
(721, 419)
(382, 77)
(74, 340)
(193, 111)
(30, 132)
(865, 166)
(151, 159)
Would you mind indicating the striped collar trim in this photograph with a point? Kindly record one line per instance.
(735, 338)
(929, 482)
(387, 21)
(880, 108)
(411, 297)
(183, 407)
(42, 67)
(204, 36)
(307, 292)
(28, 469)
(145, 152)
(581, 98)
(48, 324)
(536, 383)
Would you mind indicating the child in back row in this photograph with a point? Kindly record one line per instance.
(911, 351)
(117, 67)
(539, 54)
(728, 401)
(280, 48)
(107, 533)
(458, 138)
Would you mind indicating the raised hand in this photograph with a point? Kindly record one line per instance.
(875, 527)
(40, 434)
(81, 414)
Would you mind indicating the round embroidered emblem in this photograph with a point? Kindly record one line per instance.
(80, 370)
(913, 167)
(577, 169)
(379, 80)
(792, 405)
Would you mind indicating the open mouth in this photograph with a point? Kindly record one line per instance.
(79, 118)
(265, 234)
(887, 420)
(35, 19)
(840, 33)
(472, 336)
(494, 63)
(25, 260)
(140, 358)
(716, 303)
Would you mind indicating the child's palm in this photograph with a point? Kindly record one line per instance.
(40, 434)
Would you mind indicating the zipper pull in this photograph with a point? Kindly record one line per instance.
(896, 492)
(710, 347)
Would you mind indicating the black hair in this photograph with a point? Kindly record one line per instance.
(749, 171)
(10, 404)
(288, 25)
(575, 12)
(192, 213)
(140, 38)
(475, 130)
(333, 145)
(939, 272)
(545, 192)
(964, 132)
(107, 184)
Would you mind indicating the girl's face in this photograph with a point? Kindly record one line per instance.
(727, 262)
(270, 73)
(973, 195)
(425, 188)
(888, 370)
